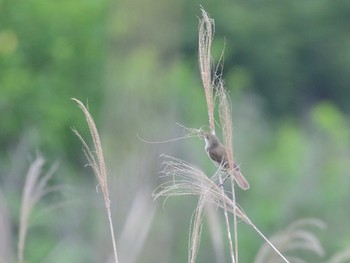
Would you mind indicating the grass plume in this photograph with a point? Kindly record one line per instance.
(35, 187)
(206, 32)
(206, 29)
(97, 163)
(186, 179)
(296, 237)
(341, 257)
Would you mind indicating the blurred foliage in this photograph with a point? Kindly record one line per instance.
(135, 63)
(50, 51)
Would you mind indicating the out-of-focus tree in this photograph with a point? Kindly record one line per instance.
(49, 51)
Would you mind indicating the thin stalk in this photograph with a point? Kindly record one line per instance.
(268, 241)
(112, 235)
(227, 224)
(234, 219)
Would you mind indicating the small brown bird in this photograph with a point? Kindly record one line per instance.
(217, 153)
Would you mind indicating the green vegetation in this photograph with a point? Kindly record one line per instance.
(135, 64)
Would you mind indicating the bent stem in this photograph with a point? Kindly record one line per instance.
(98, 166)
(268, 242)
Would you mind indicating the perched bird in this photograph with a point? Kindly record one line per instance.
(217, 153)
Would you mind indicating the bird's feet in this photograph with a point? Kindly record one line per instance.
(224, 181)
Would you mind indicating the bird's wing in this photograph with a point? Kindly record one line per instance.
(219, 156)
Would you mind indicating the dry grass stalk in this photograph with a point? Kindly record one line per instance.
(35, 188)
(226, 124)
(295, 237)
(205, 38)
(228, 229)
(225, 121)
(98, 166)
(206, 31)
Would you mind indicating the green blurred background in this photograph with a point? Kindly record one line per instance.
(135, 64)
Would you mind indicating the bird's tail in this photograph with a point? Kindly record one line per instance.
(240, 179)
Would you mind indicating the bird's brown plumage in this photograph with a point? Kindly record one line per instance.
(217, 153)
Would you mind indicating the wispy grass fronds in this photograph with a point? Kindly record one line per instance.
(341, 257)
(190, 132)
(206, 29)
(189, 180)
(225, 112)
(185, 179)
(195, 234)
(35, 187)
(296, 237)
(97, 163)
(206, 32)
